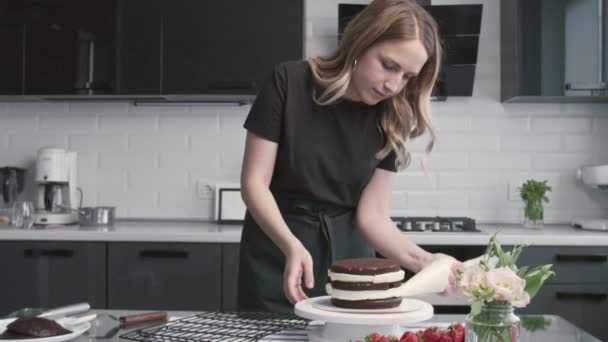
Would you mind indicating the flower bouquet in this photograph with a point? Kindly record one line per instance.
(495, 285)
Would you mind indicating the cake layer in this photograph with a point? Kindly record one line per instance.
(363, 295)
(364, 266)
(368, 304)
(341, 285)
(379, 278)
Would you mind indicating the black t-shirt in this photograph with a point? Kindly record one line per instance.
(325, 153)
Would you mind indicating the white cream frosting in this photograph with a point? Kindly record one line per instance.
(363, 295)
(357, 278)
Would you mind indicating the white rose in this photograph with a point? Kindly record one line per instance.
(507, 286)
(471, 279)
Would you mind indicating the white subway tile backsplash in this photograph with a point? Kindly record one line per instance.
(553, 161)
(530, 143)
(500, 125)
(440, 161)
(18, 122)
(601, 125)
(469, 180)
(203, 124)
(128, 123)
(156, 179)
(141, 161)
(439, 200)
(147, 158)
(414, 181)
(398, 201)
(158, 142)
(500, 161)
(199, 161)
(466, 143)
(81, 107)
(561, 125)
(70, 123)
(580, 143)
(126, 198)
(37, 107)
(30, 143)
(98, 143)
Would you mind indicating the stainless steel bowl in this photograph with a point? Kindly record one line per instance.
(96, 216)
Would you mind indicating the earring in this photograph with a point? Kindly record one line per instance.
(355, 63)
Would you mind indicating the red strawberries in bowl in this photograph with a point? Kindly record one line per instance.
(454, 333)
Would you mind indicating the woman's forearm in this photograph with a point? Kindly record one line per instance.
(389, 241)
(262, 205)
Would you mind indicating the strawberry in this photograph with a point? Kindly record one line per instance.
(456, 332)
(444, 338)
(409, 336)
(373, 337)
(430, 335)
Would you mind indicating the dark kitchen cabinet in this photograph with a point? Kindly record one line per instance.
(583, 305)
(230, 276)
(579, 290)
(207, 47)
(70, 47)
(164, 276)
(11, 58)
(50, 274)
(139, 48)
(553, 51)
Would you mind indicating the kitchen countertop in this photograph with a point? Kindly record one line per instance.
(212, 232)
(553, 328)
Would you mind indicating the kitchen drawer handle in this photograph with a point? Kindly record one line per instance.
(582, 295)
(44, 252)
(581, 258)
(154, 253)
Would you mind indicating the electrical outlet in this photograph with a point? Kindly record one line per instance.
(204, 191)
(514, 190)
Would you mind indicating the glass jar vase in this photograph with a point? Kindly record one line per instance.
(495, 323)
(534, 213)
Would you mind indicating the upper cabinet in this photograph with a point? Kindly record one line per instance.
(159, 49)
(554, 50)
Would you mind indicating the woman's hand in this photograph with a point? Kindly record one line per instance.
(453, 276)
(298, 264)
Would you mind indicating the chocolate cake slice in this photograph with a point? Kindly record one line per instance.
(365, 283)
(33, 327)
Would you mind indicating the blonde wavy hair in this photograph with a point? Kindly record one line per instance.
(404, 116)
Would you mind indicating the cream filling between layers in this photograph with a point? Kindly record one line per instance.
(357, 278)
(363, 295)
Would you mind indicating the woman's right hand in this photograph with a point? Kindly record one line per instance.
(298, 265)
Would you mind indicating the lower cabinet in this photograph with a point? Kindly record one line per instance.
(583, 305)
(230, 276)
(579, 290)
(43, 274)
(164, 276)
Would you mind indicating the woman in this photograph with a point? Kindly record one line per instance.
(324, 140)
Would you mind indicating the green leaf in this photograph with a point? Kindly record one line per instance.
(522, 271)
(476, 307)
(536, 278)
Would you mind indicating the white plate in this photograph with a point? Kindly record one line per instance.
(76, 331)
(407, 305)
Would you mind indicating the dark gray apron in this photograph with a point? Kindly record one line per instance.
(327, 231)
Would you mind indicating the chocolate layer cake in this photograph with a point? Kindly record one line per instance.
(23, 328)
(365, 283)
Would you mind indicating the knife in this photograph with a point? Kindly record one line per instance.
(50, 314)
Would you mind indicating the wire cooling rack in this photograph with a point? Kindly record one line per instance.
(219, 326)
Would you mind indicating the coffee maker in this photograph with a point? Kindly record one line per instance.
(56, 200)
(595, 177)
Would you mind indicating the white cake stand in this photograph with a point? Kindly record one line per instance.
(345, 325)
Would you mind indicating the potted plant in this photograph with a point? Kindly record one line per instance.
(534, 194)
(495, 285)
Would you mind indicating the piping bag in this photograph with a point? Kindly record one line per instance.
(433, 278)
